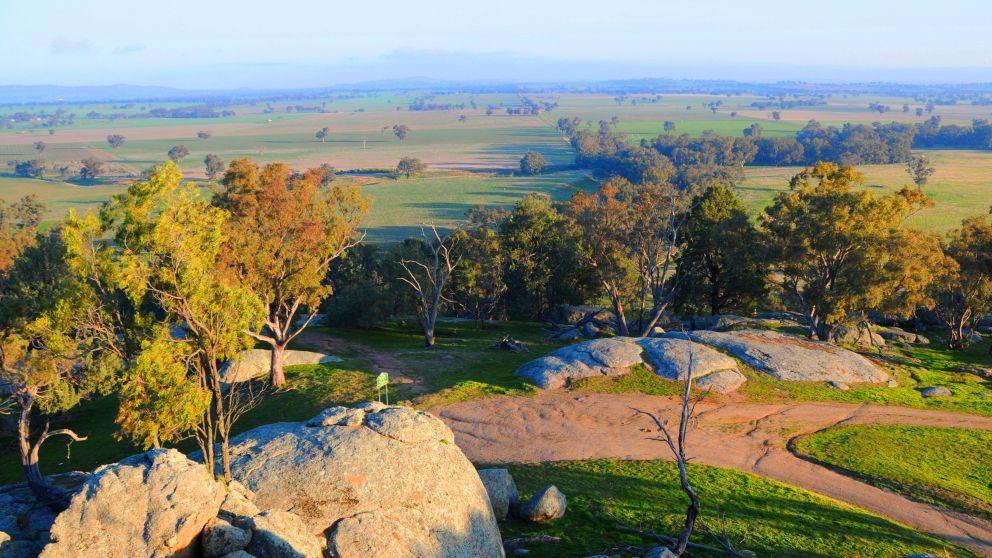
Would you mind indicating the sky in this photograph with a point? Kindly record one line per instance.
(212, 44)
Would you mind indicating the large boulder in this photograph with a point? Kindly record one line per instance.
(600, 357)
(151, 504)
(671, 358)
(256, 363)
(393, 479)
(898, 334)
(788, 357)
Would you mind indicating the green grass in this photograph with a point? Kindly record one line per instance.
(945, 466)
(763, 516)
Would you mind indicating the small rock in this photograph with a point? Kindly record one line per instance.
(936, 391)
(520, 552)
(220, 538)
(985, 393)
(722, 382)
(838, 385)
(238, 554)
(280, 534)
(660, 552)
(657, 331)
(502, 491)
(547, 505)
(892, 383)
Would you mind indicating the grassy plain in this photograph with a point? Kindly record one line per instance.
(945, 466)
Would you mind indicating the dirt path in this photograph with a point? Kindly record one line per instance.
(380, 361)
(747, 437)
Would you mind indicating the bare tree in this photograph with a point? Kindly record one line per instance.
(428, 276)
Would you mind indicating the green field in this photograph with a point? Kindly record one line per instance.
(762, 516)
(945, 466)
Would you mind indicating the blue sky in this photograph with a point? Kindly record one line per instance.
(304, 43)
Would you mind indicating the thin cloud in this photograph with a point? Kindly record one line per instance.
(129, 49)
(64, 44)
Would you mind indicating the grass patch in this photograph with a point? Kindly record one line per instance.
(767, 517)
(945, 466)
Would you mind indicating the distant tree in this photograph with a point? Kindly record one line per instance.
(919, 111)
(920, 170)
(668, 126)
(614, 120)
(905, 107)
(35, 168)
(754, 131)
(489, 111)
(428, 274)
(40, 146)
(51, 131)
(776, 115)
(283, 233)
(177, 153)
(213, 165)
(462, 118)
(330, 173)
(401, 131)
(478, 286)
(322, 134)
(929, 107)
(91, 168)
(733, 114)
(409, 166)
(533, 163)
(115, 140)
(203, 134)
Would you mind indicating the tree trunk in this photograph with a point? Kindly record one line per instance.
(621, 315)
(278, 375)
(29, 459)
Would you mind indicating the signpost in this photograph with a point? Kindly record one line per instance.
(382, 383)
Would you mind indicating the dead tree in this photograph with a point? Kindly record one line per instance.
(428, 276)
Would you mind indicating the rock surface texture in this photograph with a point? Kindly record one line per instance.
(788, 357)
(375, 481)
(671, 358)
(152, 504)
(502, 491)
(601, 357)
(547, 505)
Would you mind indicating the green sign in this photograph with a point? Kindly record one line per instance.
(381, 380)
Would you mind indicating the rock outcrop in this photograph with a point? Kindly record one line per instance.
(256, 363)
(373, 480)
(547, 505)
(151, 504)
(723, 382)
(788, 357)
(600, 357)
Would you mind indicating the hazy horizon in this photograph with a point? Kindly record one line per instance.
(303, 43)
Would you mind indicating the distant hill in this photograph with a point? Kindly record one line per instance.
(21, 94)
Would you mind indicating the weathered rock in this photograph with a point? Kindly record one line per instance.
(841, 386)
(256, 363)
(589, 330)
(657, 331)
(723, 382)
(151, 504)
(600, 357)
(237, 505)
(936, 391)
(670, 357)
(788, 357)
(893, 333)
(502, 491)
(892, 383)
(220, 538)
(398, 468)
(723, 322)
(852, 334)
(238, 554)
(547, 505)
(280, 534)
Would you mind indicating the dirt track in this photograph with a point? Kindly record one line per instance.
(743, 436)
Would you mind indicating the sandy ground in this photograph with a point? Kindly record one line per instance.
(744, 436)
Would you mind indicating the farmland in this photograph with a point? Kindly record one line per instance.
(470, 155)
